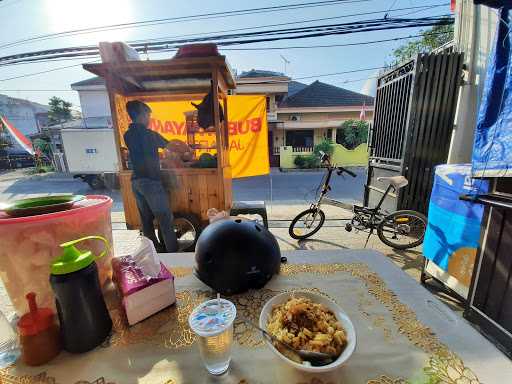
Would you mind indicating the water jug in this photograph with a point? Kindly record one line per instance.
(84, 319)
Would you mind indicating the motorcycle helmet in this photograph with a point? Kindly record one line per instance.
(233, 256)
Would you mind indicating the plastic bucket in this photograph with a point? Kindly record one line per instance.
(29, 244)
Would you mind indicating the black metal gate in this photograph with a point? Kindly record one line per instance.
(412, 126)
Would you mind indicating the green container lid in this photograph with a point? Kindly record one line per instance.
(74, 259)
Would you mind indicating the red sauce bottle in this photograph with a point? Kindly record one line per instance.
(39, 334)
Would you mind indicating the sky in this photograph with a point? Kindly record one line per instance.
(28, 18)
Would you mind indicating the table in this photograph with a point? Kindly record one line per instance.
(404, 333)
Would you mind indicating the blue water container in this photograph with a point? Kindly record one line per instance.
(453, 230)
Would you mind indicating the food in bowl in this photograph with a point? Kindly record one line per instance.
(306, 325)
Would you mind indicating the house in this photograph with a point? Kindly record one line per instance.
(316, 111)
(299, 116)
(94, 103)
(26, 116)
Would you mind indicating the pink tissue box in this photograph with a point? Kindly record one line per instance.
(142, 295)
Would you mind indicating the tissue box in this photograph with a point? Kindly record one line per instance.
(142, 295)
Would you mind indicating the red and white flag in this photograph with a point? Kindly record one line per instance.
(20, 138)
(362, 115)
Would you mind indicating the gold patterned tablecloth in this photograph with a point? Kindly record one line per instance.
(393, 346)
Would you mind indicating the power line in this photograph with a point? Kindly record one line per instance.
(247, 38)
(422, 7)
(329, 45)
(264, 82)
(203, 16)
(45, 60)
(42, 72)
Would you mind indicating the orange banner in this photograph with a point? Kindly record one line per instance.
(247, 125)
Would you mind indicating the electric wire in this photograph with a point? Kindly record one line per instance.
(254, 37)
(204, 16)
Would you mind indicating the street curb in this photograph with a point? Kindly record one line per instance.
(288, 170)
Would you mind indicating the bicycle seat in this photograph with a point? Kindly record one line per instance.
(396, 181)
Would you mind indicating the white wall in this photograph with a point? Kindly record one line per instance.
(94, 103)
(474, 34)
(21, 114)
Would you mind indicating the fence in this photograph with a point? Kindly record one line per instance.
(413, 121)
(303, 149)
(341, 156)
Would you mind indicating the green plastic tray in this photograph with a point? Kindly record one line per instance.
(40, 205)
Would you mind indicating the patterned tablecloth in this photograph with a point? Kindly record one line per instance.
(394, 344)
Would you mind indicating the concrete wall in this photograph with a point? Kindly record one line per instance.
(345, 157)
(341, 156)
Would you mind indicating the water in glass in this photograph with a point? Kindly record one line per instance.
(212, 322)
(216, 351)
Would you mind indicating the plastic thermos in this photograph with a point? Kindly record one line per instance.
(84, 319)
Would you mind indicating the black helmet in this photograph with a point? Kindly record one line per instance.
(233, 256)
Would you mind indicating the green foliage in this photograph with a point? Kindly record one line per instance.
(431, 39)
(325, 146)
(43, 146)
(39, 168)
(312, 161)
(300, 161)
(41, 161)
(60, 110)
(352, 133)
(307, 162)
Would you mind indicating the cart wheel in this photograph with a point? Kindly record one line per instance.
(187, 228)
(95, 182)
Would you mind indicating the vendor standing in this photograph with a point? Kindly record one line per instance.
(151, 197)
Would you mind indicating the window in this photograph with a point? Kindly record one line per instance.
(328, 136)
(300, 138)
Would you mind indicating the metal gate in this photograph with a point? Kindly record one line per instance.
(412, 126)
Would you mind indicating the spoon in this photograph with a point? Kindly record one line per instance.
(316, 359)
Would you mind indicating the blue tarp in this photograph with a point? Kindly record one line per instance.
(492, 151)
(453, 224)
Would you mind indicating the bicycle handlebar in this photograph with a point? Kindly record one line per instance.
(324, 158)
(341, 170)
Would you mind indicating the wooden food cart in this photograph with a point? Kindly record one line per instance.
(194, 190)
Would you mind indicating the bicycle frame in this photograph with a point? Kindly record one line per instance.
(374, 213)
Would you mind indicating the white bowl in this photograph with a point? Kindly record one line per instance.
(338, 312)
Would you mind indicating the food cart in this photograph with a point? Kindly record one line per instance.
(192, 190)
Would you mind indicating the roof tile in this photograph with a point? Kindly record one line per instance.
(319, 94)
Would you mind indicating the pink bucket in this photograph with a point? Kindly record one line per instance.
(29, 244)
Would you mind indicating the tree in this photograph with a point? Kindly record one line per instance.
(431, 39)
(324, 146)
(352, 133)
(43, 146)
(60, 110)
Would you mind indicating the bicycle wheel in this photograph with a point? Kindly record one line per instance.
(403, 229)
(306, 223)
(187, 228)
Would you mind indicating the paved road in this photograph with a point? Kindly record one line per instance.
(281, 188)
(298, 187)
